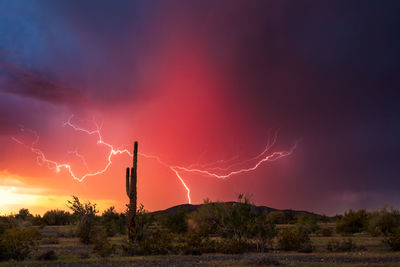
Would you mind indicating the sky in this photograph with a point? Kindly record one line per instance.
(200, 84)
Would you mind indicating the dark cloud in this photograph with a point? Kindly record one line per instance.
(18, 81)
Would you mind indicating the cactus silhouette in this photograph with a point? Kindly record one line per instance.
(131, 191)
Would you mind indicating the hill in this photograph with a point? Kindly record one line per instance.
(189, 208)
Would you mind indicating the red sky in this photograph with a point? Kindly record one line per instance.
(197, 82)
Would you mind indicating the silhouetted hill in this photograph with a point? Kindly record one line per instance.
(189, 208)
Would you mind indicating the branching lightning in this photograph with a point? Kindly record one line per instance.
(210, 169)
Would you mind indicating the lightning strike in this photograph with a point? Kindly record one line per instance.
(177, 170)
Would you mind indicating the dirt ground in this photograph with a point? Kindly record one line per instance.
(264, 259)
(71, 252)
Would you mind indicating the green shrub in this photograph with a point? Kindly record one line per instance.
(393, 241)
(384, 222)
(262, 231)
(346, 245)
(326, 231)
(5, 224)
(233, 246)
(294, 239)
(308, 223)
(23, 214)
(113, 222)
(158, 242)
(37, 220)
(57, 217)
(143, 224)
(196, 244)
(280, 217)
(17, 243)
(352, 222)
(102, 246)
(175, 221)
(85, 213)
(238, 221)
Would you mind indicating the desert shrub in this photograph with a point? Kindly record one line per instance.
(37, 220)
(346, 245)
(325, 231)
(384, 222)
(196, 244)
(102, 246)
(352, 222)
(57, 217)
(192, 244)
(233, 220)
(262, 231)
(234, 246)
(47, 256)
(86, 217)
(208, 218)
(17, 243)
(393, 241)
(5, 224)
(175, 221)
(157, 242)
(143, 223)
(113, 222)
(308, 223)
(294, 239)
(280, 217)
(23, 214)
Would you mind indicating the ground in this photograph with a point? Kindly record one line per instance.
(72, 253)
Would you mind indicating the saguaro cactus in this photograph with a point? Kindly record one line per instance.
(131, 191)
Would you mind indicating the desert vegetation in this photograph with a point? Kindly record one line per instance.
(212, 228)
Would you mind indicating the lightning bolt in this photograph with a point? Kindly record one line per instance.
(206, 169)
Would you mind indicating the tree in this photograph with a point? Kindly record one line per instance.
(353, 222)
(86, 217)
(23, 214)
(113, 222)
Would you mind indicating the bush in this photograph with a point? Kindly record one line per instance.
(17, 244)
(294, 239)
(346, 245)
(102, 246)
(23, 214)
(113, 222)
(158, 242)
(325, 232)
(232, 246)
(86, 216)
(393, 241)
(233, 220)
(384, 222)
(143, 222)
(353, 222)
(5, 224)
(308, 223)
(280, 217)
(175, 221)
(262, 231)
(57, 217)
